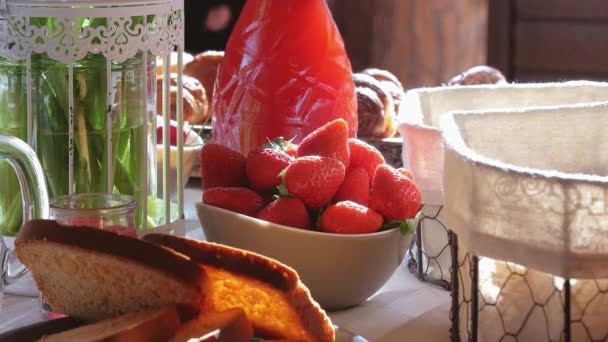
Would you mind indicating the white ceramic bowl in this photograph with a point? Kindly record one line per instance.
(192, 146)
(339, 270)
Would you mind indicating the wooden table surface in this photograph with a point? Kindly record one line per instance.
(403, 310)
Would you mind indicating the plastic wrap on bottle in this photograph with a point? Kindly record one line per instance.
(285, 73)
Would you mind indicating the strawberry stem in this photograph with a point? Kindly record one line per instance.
(282, 188)
(278, 143)
(405, 226)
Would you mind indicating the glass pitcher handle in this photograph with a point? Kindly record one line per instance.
(34, 197)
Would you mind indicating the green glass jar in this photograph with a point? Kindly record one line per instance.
(83, 158)
(91, 169)
(78, 84)
(13, 122)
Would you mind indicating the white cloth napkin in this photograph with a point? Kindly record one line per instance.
(421, 111)
(423, 150)
(531, 186)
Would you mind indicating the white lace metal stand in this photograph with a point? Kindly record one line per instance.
(148, 28)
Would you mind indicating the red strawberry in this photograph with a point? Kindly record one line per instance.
(283, 145)
(356, 187)
(288, 211)
(329, 140)
(263, 168)
(292, 150)
(350, 218)
(267, 198)
(405, 172)
(314, 180)
(394, 195)
(222, 167)
(241, 200)
(364, 155)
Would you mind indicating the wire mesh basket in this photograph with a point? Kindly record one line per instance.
(529, 208)
(420, 113)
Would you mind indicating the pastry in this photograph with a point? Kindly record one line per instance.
(186, 58)
(375, 108)
(390, 83)
(204, 68)
(383, 76)
(481, 74)
(195, 103)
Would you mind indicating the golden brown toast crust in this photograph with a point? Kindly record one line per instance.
(258, 267)
(153, 255)
(231, 259)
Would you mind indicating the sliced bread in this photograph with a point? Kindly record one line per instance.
(278, 305)
(153, 325)
(36, 331)
(227, 326)
(92, 274)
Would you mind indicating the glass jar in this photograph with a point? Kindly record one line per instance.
(89, 170)
(99, 210)
(79, 163)
(78, 84)
(13, 122)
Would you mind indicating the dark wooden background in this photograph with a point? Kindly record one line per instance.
(541, 40)
(426, 42)
(423, 42)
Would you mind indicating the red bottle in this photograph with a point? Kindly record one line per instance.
(285, 73)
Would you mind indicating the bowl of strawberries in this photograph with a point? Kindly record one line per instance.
(330, 207)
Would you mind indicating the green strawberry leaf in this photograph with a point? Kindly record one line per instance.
(278, 143)
(405, 226)
(282, 188)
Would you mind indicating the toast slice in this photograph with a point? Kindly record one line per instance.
(36, 331)
(278, 305)
(154, 325)
(92, 274)
(227, 326)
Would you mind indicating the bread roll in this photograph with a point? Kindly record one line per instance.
(481, 74)
(186, 58)
(383, 76)
(375, 108)
(204, 68)
(195, 103)
(390, 83)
